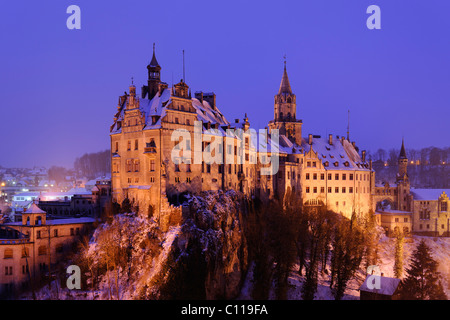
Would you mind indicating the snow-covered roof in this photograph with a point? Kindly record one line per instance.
(157, 106)
(34, 209)
(337, 154)
(388, 286)
(428, 194)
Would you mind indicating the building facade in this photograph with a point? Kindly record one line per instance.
(148, 169)
(30, 248)
(401, 208)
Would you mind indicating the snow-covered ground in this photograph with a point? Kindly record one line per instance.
(386, 249)
(440, 250)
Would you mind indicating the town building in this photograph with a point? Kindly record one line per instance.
(401, 208)
(380, 288)
(29, 249)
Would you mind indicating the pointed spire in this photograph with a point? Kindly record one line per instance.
(285, 87)
(154, 62)
(403, 151)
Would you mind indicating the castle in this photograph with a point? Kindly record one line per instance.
(146, 132)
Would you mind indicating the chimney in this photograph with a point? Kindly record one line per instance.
(370, 164)
(353, 144)
(342, 140)
(330, 139)
(211, 98)
(199, 96)
(236, 120)
(310, 139)
(363, 155)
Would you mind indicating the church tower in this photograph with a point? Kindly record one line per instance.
(285, 117)
(402, 163)
(403, 184)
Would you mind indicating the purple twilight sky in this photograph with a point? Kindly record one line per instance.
(59, 87)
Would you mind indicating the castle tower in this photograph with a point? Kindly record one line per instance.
(285, 108)
(154, 77)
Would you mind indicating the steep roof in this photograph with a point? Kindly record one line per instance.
(157, 106)
(403, 151)
(341, 155)
(285, 86)
(34, 209)
(154, 63)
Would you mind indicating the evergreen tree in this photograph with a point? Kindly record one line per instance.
(398, 265)
(348, 251)
(422, 281)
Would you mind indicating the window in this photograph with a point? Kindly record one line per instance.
(322, 189)
(322, 176)
(307, 189)
(308, 164)
(25, 269)
(177, 167)
(336, 176)
(307, 176)
(137, 166)
(8, 254)
(315, 190)
(55, 232)
(188, 122)
(350, 189)
(8, 271)
(117, 147)
(152, 165)
(351, 176)
(136, 144)
(396, 219)
(314, 164)
(188, 167)
(344, 176)
(405, 219)
(42, 250)
(444, 206)
(329, 176)
(129, 145)
(72, 231)
(38, 234)
(336, 190)
(343, 190)
(176, 120)
(315, 176)
(329, 189)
